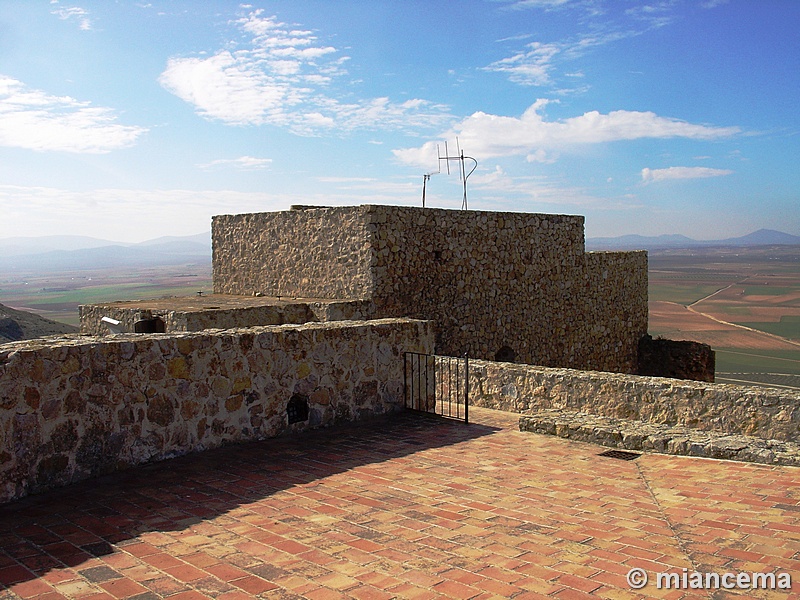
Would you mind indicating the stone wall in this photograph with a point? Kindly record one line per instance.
(488, 280)
(681, 359)
(72, 408)
(320, 253)
(514, 286)
(226, 316)
(615, 297)
(747, 410)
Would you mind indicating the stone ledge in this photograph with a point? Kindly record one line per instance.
(659, 438)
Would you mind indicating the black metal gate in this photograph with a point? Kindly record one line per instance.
(437, 384)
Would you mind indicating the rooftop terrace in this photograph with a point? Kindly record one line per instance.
(406, 507)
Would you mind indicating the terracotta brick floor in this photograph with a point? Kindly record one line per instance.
(413, 507)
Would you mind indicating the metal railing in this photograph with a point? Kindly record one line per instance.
(437, 384)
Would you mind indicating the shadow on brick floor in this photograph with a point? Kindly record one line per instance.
(68, 526)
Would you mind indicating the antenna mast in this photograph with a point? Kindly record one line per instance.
(462, 167)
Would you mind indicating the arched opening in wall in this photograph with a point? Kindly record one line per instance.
(297, 409)
(505, 354)
(151, 325)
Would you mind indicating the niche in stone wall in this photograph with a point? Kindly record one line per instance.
(505, 354)
(150, 325)
(297, 409)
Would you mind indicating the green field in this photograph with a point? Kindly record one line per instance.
(788, 327)
(113, 293)
(685, 294)
(686, 276)
(56, 296)
(757, 361)
(767, 290)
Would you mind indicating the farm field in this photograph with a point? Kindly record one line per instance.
(744, 302)
(56, 296)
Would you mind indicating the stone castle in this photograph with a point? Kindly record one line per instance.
(313, 313)
(514, 287)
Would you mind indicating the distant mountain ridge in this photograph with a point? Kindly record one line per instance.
(72, 253)
(65, 252)
(16, 246)
(762, 237)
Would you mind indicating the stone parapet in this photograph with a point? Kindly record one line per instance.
(80, 406)
(218, 311)
(761, 412)
(660, 438)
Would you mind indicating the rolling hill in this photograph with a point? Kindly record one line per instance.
(762, 237)
(18, 325)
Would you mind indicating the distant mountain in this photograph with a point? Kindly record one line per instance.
(74, 253)
(16, 246)
(23, 325)
(762, 237)
(200, 238)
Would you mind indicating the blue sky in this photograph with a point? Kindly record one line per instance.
(131, 120)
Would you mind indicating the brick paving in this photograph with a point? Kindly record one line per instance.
(410, 507)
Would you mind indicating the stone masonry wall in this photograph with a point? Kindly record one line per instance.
(747, 410)
(77, 407)
(319, 253)
(672, 358)
(495, 284)
(224, 318)
(615, 297)
(486, 279)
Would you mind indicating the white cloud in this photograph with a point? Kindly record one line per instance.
(546, 4)
(713, 3)
(126, 215)
(346, 179)
(35, 120)
(653, 175)
(81, 15)
(486, 135)
(536, 63)
(283, 76)
(243, 163)
(531, 67)
(532, 192)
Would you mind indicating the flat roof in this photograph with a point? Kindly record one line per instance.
(403, 507)
(198, 303)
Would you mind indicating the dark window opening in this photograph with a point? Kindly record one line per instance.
(505, 354)
(297, 409)
(152, 325)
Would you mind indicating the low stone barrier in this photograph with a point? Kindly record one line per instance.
(81, 406)
(660, 438)
(761, 412)
(220, 312)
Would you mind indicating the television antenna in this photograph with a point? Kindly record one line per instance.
(461, 158)
(425, 179)
(463, 175)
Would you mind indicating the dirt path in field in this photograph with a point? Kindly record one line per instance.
(677, 321)
(691, 308)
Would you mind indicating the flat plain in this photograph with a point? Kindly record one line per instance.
(56, 295)
(744, 302)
